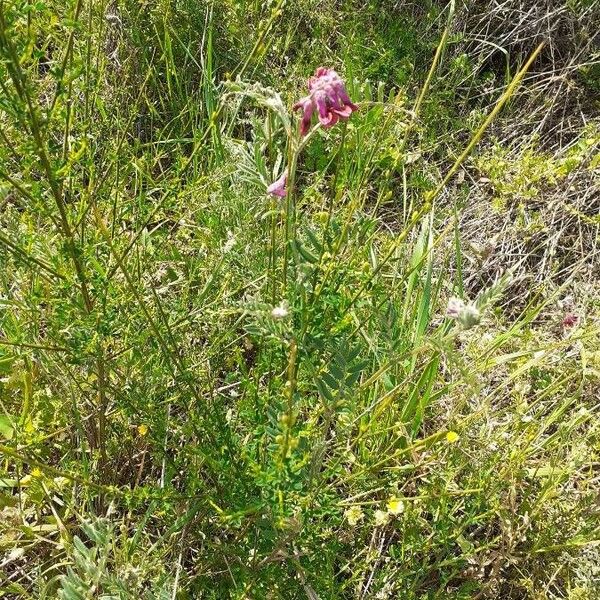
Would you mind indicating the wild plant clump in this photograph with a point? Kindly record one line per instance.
(263, 338)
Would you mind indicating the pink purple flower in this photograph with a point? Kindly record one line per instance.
(455, 307)
(328, 96)
(277, 188)
(570, 320)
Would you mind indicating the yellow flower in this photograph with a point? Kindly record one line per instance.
(452, 437)
(36, 473)
(322, 217)
(354, 515)
(395, 506)
(142, 429)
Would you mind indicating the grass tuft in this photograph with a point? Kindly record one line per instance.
(379, 385)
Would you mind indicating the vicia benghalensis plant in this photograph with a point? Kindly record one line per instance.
(328, 99)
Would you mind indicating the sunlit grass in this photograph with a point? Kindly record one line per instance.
(211, 391)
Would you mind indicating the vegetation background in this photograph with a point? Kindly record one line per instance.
(165, 435)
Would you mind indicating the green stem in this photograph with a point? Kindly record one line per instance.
(333, 195)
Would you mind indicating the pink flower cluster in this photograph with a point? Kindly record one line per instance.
(328, 96)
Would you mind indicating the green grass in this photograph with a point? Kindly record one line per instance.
(165, 434)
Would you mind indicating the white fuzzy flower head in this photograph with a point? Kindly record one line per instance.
(354, 515)
(281, 311)
(470, 316)
(230, 243)
(455, 307)
(467, 314)
(381, 518)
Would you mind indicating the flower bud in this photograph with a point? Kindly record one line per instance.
(467, 314)
(470, 316)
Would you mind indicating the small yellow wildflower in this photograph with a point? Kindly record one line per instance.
(381, 517)
(322, 216)
(36, 473)
(395, 506)
(452, 437)
(354, 515)
(142, 429)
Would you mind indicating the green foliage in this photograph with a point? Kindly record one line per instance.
(210, 392)
(525, 176)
